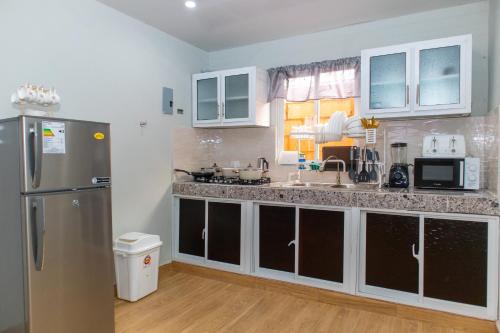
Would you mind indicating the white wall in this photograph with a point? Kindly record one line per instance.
(111, 68)
(349, 41)
(494, 54)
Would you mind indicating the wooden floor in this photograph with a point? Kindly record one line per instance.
(193, 299)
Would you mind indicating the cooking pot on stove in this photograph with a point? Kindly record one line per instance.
(230, 172)
(250, 173)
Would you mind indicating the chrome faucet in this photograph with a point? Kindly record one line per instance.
(334, 159)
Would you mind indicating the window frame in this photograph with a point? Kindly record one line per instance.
(279, 105)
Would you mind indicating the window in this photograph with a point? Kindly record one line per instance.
(310, 113)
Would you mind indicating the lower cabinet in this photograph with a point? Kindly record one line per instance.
(321, 244)
(301, 244)
(209, 232)
(224, 232)
(456, 261)
(440, 261)
(446, 262)
(277, 238)
(390, 241)
(192, 227)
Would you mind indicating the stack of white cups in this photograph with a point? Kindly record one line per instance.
(36, 95)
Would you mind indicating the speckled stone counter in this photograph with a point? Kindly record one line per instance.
(480, 203)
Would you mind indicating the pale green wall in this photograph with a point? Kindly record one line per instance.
(349, 41)
(107, 67)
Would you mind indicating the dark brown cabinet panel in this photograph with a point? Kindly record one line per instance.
(224, 232)
(389, 260)
(456, 260)
(321, 244)
(276, 231)
(191, 225)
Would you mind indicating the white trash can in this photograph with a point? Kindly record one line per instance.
(136, 265)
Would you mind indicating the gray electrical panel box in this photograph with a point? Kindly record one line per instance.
(168, 101)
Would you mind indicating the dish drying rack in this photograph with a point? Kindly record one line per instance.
(368, 135)
(308, 133)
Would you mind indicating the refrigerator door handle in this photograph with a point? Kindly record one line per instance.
(38, 231)
(36, 150)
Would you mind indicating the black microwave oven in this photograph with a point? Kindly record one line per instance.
(447, 173)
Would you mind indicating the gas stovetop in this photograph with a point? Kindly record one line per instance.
(232, 181)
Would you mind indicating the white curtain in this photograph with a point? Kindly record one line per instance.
(319, 80)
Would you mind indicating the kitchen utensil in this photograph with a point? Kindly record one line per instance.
(352, 160)
(354, 157)
(373, 171)
(351, 164)
(364, 176)
(250, 173)
(370, 123)
(196, 174)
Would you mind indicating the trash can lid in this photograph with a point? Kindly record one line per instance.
(136, 242)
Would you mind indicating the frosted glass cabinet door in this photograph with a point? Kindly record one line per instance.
(207, 99)
(388, 81)
(439, 76)
(236, 97)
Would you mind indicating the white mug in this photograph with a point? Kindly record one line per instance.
(22, 92)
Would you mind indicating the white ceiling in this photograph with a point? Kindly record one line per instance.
(221, 24)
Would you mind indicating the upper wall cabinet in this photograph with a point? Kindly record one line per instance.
(231, 98)
(424, 79)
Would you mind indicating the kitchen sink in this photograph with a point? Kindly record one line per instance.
(359, 186)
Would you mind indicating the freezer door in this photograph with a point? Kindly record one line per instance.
(62, 154)
(70, 262)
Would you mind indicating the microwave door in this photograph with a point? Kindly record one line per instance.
(438, 173)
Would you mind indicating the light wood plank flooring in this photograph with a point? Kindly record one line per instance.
(193, 299)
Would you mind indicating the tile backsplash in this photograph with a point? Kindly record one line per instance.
(195, 148)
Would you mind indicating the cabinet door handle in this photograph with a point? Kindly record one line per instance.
(415, 255)
(418, 94)
(203, 234)
(218, 111)
(291, 243)
(223, 110)
(407, 94)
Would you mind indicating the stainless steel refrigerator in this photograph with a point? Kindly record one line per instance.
(56, 260)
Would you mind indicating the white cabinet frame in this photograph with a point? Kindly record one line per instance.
(413, 109)
(465, 69)
(366, 83)
(245, 247)
(489, 312)
(206, 76)
(258, 107)
(251, 95)
(348, 274)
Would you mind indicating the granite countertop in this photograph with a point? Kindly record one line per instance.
(478, 202)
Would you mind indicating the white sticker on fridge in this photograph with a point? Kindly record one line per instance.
(54, 137)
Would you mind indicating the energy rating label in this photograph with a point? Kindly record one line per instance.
(54, 137)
